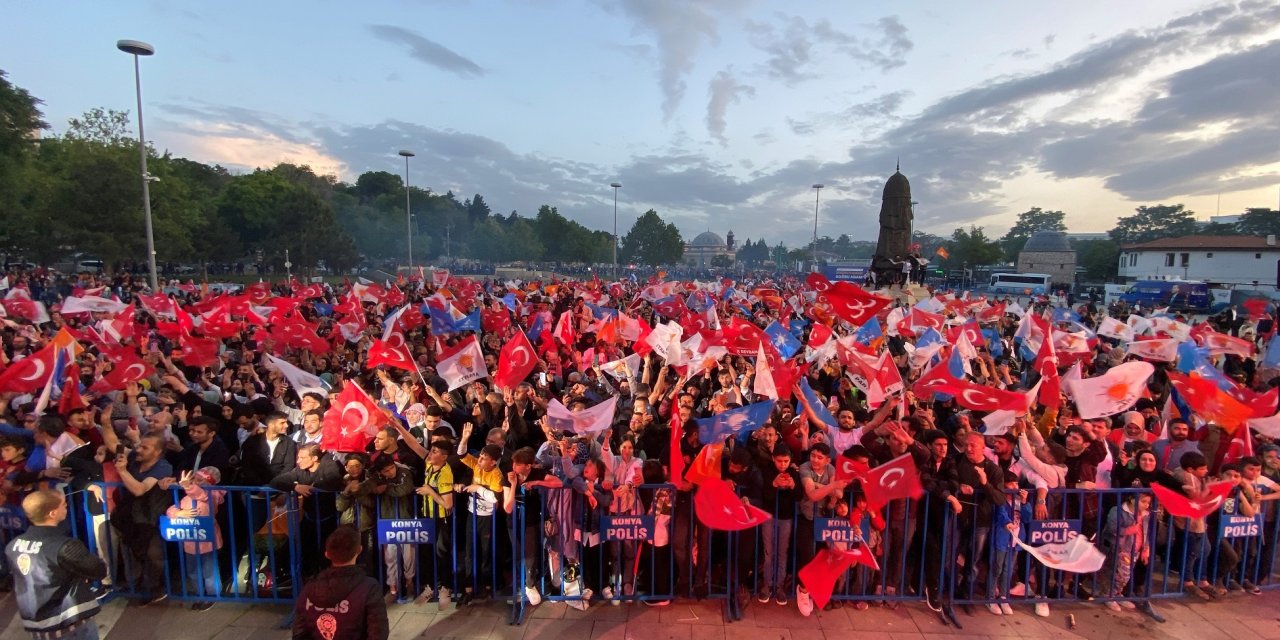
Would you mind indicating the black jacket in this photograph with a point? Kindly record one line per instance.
(256, 469)
(51, 578)
(345, 603)
(215, 456)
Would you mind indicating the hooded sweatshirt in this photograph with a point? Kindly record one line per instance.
(342, 603)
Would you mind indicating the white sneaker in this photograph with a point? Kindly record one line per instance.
(443, 600)
(607, 592)
(531, 594)
(995, 609)
(1042, 609)
(1018, 589)
(1125, 604)
(1113, 605)
(804, 603)
(1006, 609)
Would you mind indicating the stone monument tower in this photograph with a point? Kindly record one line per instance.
(895, 218)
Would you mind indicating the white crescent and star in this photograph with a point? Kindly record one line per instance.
(896, 474)
(37, 372)
(356, 408)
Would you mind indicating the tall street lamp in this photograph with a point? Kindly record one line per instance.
(408, 216)
(817, 192)
(138, 48)
(616, 186)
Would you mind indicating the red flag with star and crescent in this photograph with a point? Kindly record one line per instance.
(820, 575)
(515, 362)
(1181, 506)
(893, 480)
(351, 420)
(719, 508)
(130, 369)
(391, 355)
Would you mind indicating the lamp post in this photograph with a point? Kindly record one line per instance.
(408, 216)
(616, 186)
(138, 48)
(817, 192)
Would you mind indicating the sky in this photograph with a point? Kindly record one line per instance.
(718, 114)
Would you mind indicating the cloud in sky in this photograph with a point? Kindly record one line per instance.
(1168, 111)
(428, 51)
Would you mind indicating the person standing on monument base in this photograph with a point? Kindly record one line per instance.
(53, 572)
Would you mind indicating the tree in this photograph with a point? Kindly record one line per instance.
(972, 248)
(1098, 257)
(477, 209)
(101, 126)
(20, 121)
(721, 261)
(374, 184)
(1030, 221)
(1154, 222)
(652, 241)
(20, 118)
(1259, 222)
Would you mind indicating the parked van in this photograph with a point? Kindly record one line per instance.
(1175, 294)
(90, 266)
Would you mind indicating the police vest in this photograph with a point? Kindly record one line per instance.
(49, 598)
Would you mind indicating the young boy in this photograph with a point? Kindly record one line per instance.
(1009, 518)
(485, 491)
(1189, 533)
(13, 459)
(780, 492)
(437, 494)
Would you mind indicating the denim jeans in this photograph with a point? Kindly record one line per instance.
(777, 543)
(1002, 563)
(203, 578)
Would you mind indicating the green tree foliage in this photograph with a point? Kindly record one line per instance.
(972, 248)
(106, 127)
(1098, 257)
(20, 125)
(652, 241)
(1030, 221)
(1154, 222)
(1259, 222)
(753, 255)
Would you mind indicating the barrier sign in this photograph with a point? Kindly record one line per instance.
(1051, 531)
(627, 527)
(12, 519)
(839, 530)
(1240, 526)
(422, 531)
(186, 529)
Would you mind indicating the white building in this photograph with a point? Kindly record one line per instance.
(1218, 260)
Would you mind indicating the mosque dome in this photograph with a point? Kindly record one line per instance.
(707, 239)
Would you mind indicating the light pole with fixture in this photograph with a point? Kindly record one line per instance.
(616, 186)
(817, 191)
(138, 48)
(408, 216)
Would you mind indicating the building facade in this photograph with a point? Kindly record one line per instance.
(700, 251)
(1218, 260)
(1050, 253)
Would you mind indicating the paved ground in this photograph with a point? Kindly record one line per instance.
(1238, 617)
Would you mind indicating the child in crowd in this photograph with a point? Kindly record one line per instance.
(201, 558)
(485, 491)
(1189, 533)
(1009, 518)
(593, 502)
(781, 482)
(1125, 541)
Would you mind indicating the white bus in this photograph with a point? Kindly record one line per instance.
(1023, 283)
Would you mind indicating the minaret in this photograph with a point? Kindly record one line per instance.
(895, 217)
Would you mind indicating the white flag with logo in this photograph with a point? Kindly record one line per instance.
(1076, 555)
(592, 420)
(464, 366)
(300, 380)
(92, 304)
(1113, 392)
(1113, 328)
(1160, 349)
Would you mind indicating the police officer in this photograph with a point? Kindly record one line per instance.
(342, 602)
(52, 572)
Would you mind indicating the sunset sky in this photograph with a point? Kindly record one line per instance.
(719, 114)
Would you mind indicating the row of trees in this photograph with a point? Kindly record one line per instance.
(80, 193)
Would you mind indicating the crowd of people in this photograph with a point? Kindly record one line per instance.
(521, 418)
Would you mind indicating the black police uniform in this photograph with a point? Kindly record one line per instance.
(341, 603)
(52, 574)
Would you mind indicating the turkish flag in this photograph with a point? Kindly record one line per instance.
(563, 331)
(198, 352)
(719, 508)
(1047, 365)
(937, 378)
(1209, 402)
(382, 353)
(819, 334)
(1263, 405)
(978, 397)
(893, 480)
(742, 338)
(71, 399)
(29, 373)
(992, 313)
(849, 301)
(351, 421)
(1183, 507)
(494, 320)
(848, 469)
(920, 319)
(130, 369)
(820, 575)
(515, 362)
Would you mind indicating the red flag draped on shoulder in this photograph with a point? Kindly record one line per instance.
(719, 508)
(516, 361)
(393, 356)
